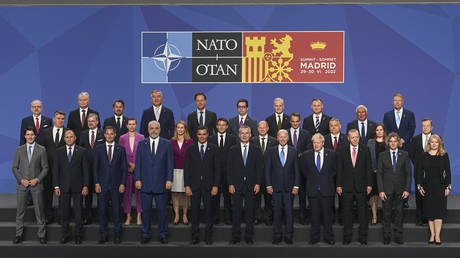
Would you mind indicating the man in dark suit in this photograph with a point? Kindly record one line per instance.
(90, 139)
(223, 141)
(78, 121)
(282, 177)
(37, 120)
(70, 180)
(365, 127)
(355, 183)
(393, 180)
(244, 177)
(242, 119)
(264, 142)
(118, 120)
(317, 122)
(300, 139)
(201, 117)
(52, 139)
(279, 120)
(201, 180)
(158, 113)
(417, 147)
(154, 178)
(110, 171)
(319, 167)
(401, 121)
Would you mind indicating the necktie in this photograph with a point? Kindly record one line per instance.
(56, 138)
(294, 141)
(318, 161)
(241, 122)
(317, 123)
(37, 125)
(282, 155)
(335, 143)
(398, 119)
(221, 144)
(202, 151)
(263, 145)
(354, 156)
(426, 142)
(110, 153)
(69, 155)
(279, 122)
(245, 154)
(363, 132)
(201, 118)
(29, 153)
(83, 118)
(92, 139)
(394, 161)
(157, 113)
(153, 149)
(118, 123)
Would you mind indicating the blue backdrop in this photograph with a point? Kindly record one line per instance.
(53, 53)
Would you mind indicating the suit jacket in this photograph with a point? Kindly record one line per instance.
(282, 179)
(234, 125)
(303, 141)
(371, 144)
(166, 122)
(270, 142)
(154, 171)
(74, 121)
(45, 123)
(370, 129)
(406, 127)
(36, 168)
(74, 175)
(342, 142)
(319, 180)
(242, 176)
(120, 131)
(394, 181)
(84, 141)
(124, 141)
(222, 154)
(273, 124)
(210, 121)
(202, 174)
(309, 125)
(47, 141)
(110, 175)
(358, 178)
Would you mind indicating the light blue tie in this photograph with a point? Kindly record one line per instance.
(282, 157)
(29, 153)
(318, 162)
(398, 119)
(245, 154)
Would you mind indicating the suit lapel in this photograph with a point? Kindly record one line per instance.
(206, 118)
(313, 157)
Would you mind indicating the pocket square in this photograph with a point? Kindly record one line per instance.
(100, 140)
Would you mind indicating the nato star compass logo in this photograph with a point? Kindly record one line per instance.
(167, 57)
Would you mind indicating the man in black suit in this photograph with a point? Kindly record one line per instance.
(89, 139)
(52, 138)
(201, 117)
(264, 142)
(393, 180)
(401, 121)
(300, 139)
(159, 113)
(242, 119)
(244, 179)
(201, 181)
(78, 121)
(417, 147)
(279, 120)
(71, 180)
(355, 183)
(223, 141)
(118, 120)
(319, 167)
(37, 120)
(317, 122)
(365, 127)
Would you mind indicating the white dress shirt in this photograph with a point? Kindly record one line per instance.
(320, 117)
(218, 138)
(391, 155)
(244, 118)
(157, 116)
(55, 130)
(121, 120)
(39, 120)
(266, 140)
(154, 142)
(86, 113)
(292, 130)
(242, 149)
(32, 150)
(332, 138)
(351, 151)
(424, 139)
(280, 117)
(204, 148)
(113, 148)
(321, 154)
(365, 127)
(285, 152)
(198, 113)
(396, 115)
(90, 132)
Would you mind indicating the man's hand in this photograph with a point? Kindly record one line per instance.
(231, 189)
(339, 190)
(57, 191)
(138, 184)
(405, 194)
(422, 192)
(369, 190)
(446, 192)
(33, 182)
(270, 190)
(383, 196)
(295, 190)
(25, 183)
(214, 190)
(84, 191)
(256, 189)
(131, 167)
(401, 142)
(121, 189)
(169, 185)
(97, 188)
(188, 191)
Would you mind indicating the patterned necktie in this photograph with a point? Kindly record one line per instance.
(241, 122)
(363, 132)
(69, 155)
(92, 139)
(221, 144)
(37, 125)
(245, 154)
(201, 118)
(398, 119)
(263, 145)
(118, 123)
(282, 156)
(202, 151)
(354, 156)
(83, 118)
(279, 122)
(335, 143)
(110, 154)
(318, 161)
(294, 141)
(157, 113)
(394, 161)
(56, 138)
(317, 123)
(29, 153)
(426, 142)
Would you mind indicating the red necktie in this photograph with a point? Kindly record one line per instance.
(92, 140)
(37, 125)
(83, 118)
(335, 143)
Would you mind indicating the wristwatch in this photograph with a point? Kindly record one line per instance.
(419, 187)
(449, 186)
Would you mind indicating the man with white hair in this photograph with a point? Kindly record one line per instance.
(159, 113)
(365, 127)
(278, 120)
(37, 120)
(78, 118)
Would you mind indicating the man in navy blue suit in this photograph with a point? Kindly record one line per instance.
(37, 120)
(400, 121)
(110, 171)
(319, 167)
(365, 127)
(153, 174)
(282, 179)
(158, 113)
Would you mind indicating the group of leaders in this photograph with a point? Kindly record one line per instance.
(243, 160)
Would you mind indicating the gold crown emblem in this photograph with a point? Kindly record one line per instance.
(318, 45)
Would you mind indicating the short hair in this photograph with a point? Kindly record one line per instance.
(244, 127)
(317, 136)
(398, 95)
(109, 127)
(353, 131)
(392, 135)
(199, 94)
(93, 115)
(59, 112)
(83, 93)
(70, 130)
(361, 106)
(222, 119)
(154, 122)
(131, 119)
(334, 119)
(427, 119)
(242, 100)
(36, 100)
(202, 127)
(119, 101)
(30, 128)
(263, 121)
(278, 99)
(282, 131)
(317, 99)
(296, 114)
(156, 91)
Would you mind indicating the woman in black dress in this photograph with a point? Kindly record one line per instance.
(376, 146)
(434, 175)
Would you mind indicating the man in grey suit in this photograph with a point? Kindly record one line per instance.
(30, 166)
(242, 119)
(393, 180)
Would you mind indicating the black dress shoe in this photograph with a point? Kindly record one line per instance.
(117, 240)
(288, 240)
(399, 241)
(302, 221)
(257, 221)
(195, 241)
(363, 242)
(276, 241)
(78, 240)
(313, 242)
(346, 242)
(430, 242)
(249, 241)
(163, 240)
(208, 241)
(103, 239)
(234, 241)
(386, 241)
(406, 205)
(18, 239)
(64, 239)
(419, 223)
(43, 240)
(438, 243)
(87, 221)
(330, 242)
(145, 240)
(228, 222)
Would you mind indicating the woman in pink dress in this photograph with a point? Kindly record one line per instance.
(130, 140)
(180, 142)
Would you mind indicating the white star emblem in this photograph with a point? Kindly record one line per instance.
(167, 57)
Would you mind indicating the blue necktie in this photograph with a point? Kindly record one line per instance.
(201, 118)
(245, 154)
(282, 156)
(318, 162)
(398, 119)
(69, 155)
(394, 160)
(202, 151)
(29, 153)
(363, 133)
